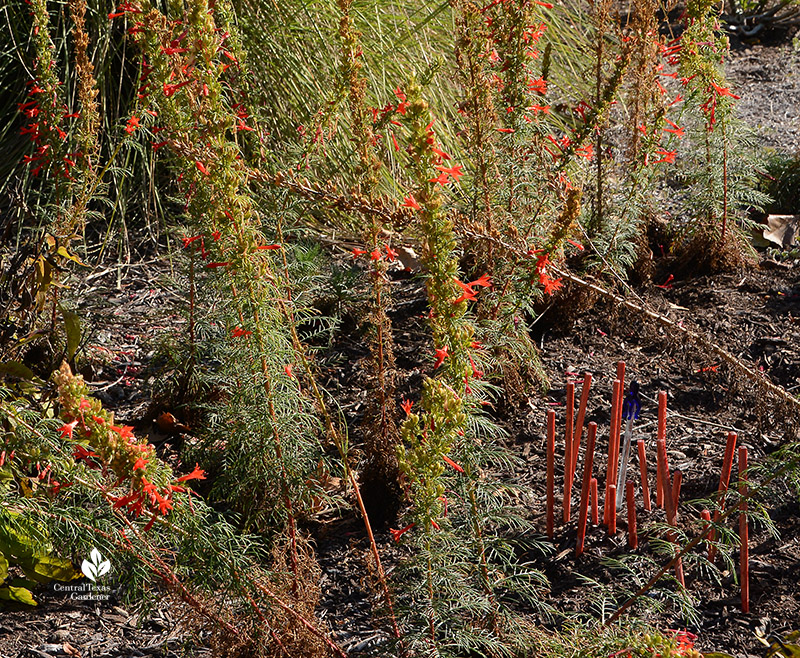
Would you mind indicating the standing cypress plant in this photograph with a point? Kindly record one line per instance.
(379, 474)
(477, 108)
(191, 63)
(721, 175)
(455, 597)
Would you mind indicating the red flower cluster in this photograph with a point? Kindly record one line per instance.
(549, 284)
(148, 496)
(124, 8)
(45, 131)
(143, 494)
(710, 106)
(376, 254)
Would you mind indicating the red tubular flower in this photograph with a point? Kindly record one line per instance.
(468, 293)
(442, 179)
(288, 370)
(202, 168)
(123, 501)
(454, 171)
(140, 463)
(550, 285)
(188, 241)
(125, 431)
(452, 463)
(724, 91)
(668, 156)
(544, 109)
(394, 141)
(197, 474)
(396, 534)
(79, 452)
(133, 124)
(484, 281)
(58, 486)
(586, 151)
(406, 406)
(164, 504)
(441, 354)
(238, 331)
(440, 153)
(539, 86)
(358, 252)
(375, 254)
(67, 429)
(475, 372)
(391, 254)
(268, 247)
(411, 202)
(170, 89)
(675, 128)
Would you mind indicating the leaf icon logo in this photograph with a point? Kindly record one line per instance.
(96, 567)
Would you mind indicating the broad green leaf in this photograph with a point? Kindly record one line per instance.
(14, 544)
(3, 568)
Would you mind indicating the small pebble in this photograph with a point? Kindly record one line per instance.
(60, 636)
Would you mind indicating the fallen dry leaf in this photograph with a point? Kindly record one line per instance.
(781, 229)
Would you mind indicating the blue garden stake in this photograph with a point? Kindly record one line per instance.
(631, 407)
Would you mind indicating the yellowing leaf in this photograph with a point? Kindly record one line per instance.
(56, 568)
(62, 251)
(17, 595)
